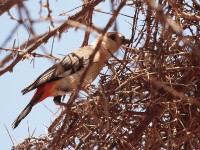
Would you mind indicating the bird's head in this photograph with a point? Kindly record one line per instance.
(112, 41)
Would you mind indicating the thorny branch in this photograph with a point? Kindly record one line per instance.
(7, 4)
(149, 98)
(59, 30)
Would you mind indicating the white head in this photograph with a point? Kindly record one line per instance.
(112, 41)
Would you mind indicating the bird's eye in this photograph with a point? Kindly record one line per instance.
(113, 37)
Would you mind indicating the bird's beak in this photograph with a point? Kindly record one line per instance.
(125, 40)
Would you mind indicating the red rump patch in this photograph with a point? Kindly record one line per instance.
(43, 92)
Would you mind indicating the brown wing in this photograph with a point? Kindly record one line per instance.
(70, 64)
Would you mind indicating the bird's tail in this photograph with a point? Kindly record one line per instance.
(27, 109)
(23, 114)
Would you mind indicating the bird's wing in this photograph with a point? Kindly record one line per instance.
(70, 64)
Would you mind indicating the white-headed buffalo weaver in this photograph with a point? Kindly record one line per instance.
(65, 76)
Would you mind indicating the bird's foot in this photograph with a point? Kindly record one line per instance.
(57, 101)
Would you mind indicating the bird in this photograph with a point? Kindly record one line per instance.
(65, 76)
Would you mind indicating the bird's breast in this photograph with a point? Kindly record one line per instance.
(74, 80)
(83, 77)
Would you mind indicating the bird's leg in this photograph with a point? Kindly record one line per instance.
(72, 98)
(85, 90)
(63, 98)
(57, 101)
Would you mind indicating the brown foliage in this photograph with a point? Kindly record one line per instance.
(151, 100)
